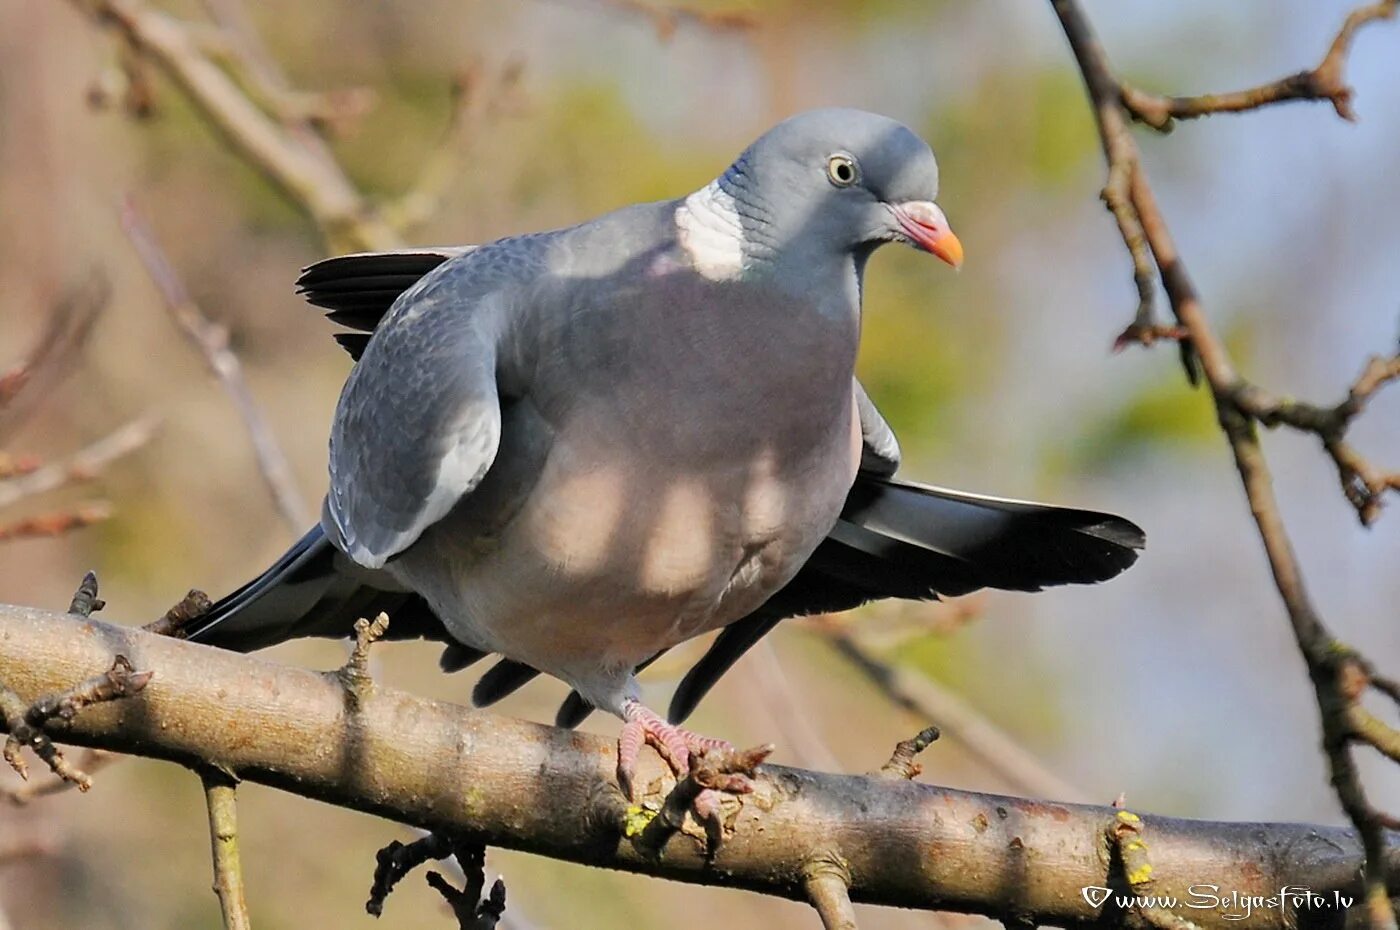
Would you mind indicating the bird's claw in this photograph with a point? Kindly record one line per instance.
(689, 756)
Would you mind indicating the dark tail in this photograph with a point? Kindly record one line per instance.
(312, 590)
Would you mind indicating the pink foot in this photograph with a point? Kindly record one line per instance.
(676, 746)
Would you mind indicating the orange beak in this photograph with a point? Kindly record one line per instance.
(928, 229)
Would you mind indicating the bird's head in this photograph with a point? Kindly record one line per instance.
(832, 180)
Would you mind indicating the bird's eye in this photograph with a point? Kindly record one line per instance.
(841, 170)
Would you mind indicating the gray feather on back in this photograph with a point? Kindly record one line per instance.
(419, 419)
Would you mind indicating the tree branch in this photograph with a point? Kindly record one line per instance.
(1325, 82)
(517, 785)
(211, 340)
(85, 465)
(1338, 675)
(220, 798)
(302, 169)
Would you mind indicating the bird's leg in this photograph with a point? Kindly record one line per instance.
(676, 746)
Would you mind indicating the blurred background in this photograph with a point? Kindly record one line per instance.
(1177, 684)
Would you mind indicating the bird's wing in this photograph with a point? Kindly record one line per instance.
(879, 453)
(419, 420)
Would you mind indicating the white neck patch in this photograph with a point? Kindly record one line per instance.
(711, 234)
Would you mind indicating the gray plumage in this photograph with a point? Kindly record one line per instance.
(579, 448)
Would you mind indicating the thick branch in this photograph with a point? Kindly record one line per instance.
(518, 785)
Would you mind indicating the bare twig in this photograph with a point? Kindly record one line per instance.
(192, 606)
(667, 19)
(221, 799)
(901, 763)
(1325, 82)
(827, 881)
(1338, 676)
(26, 724)
(83, 466)
(1126, 843)
(85, 601)
(30, 382)
(1363, 484)
(57, 522)
(354, 674)
(211, 340)
(396, 860)
(478, 97)
(301, 168)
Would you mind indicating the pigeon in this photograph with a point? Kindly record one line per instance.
(577, 449)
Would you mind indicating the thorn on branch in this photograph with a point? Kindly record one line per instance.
(85, 600)
(901, 764)
(396, 860)
(90, 761)
(26, 725)
(192, 606)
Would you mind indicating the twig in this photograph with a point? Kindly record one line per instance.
(666, 20)
(1126, 843)
(211, 340)
(30, 382)
(221, 799)
(927, 700)
(26, 724)
(302, 169)
(1333, 668)
(355, 674)
(89, 761)
(901, 763)
(1325, 82)
(396, 860)
(85, 601)
(1363, 484)
(57, 522)
(827, 880)
(477, 98)
(85, 465)
(192, 606)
